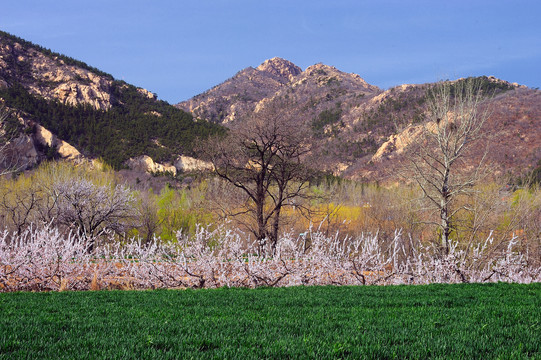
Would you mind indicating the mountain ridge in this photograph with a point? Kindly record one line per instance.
(360, 131)
(358, 127)
(89, 109)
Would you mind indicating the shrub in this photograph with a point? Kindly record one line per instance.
(44, 259)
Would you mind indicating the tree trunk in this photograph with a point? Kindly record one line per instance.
(446, 228)
(260, 218)
(274, 231)
(444, 214)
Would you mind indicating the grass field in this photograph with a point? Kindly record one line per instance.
(433, 321)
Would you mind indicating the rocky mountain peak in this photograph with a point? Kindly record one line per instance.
(280, 67)
(319, 67)
(322, 70)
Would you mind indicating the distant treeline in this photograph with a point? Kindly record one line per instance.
(135, 125)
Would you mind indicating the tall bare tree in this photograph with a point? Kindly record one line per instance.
(7, 160)
(442, 162)
(264, 160)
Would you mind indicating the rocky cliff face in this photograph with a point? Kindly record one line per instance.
(46, 138)
(19, 153)
(51, 77)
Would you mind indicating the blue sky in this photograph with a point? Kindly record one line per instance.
(179, 49)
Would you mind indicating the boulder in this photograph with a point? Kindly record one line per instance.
(145, 163)
(65, 150)
(186, 163)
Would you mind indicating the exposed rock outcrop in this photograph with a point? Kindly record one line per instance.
(51, 77)
(146, 93)
(186, 163)
(72, 93)
(398, 143)
(65, 150)
(283, 69)
(26, 150)
(145, 163)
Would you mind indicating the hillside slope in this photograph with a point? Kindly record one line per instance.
(361, 131)
(89, 109)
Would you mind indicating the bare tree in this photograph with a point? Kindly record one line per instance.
(443, 163)
(92, 209)
(148, 221)
(264, 160)
(18, 202)
(7, 163)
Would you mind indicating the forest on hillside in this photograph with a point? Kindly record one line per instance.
(134, 126)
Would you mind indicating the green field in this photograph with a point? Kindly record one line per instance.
(433, 321)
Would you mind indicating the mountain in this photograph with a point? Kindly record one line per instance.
(62, 107)
(361, 131)
(314, 88)
(88, 109)
(241, 93)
